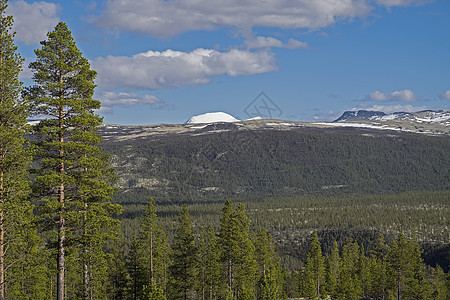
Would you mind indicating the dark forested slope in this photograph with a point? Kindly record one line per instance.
(212, 166)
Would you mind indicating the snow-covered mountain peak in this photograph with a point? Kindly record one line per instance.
(214, 117)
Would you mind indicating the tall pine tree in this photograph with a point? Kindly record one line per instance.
(315, 270)
(74, 180)
(19, 244)
(237, 252)
(269, 275)
(184, 253)
(154, 248)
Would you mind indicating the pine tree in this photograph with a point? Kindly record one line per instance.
(315, 270)
(137, 269)
(349, 286)
(246, 271)
(332, 270)
(119, 281)
(364, 273)
(378, 269)
(154, 247)
(75, 180)
(19, 244)
(184, 253)
(212, 265)
(406, 268)
(269, 271)
(228, 243)
(202, 246)
(237, 252)
(153, 292)
(440, 291)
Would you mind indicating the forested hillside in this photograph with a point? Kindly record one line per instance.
(188, 168)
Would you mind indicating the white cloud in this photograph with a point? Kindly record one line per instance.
(110, 99)
(127, 99)
(391, 108)
(445, 95)
(397, 96)
(33, 20)
(170, 69)
(161, 18)
(389, 3)
(269, 42)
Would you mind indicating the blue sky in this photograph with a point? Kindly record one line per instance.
(162, 61)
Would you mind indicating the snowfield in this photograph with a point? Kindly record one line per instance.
(214, 117)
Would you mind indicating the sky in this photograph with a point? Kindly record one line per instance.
(163, 61)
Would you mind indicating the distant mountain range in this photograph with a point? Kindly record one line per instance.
(425, 116)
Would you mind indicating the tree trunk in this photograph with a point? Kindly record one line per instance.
(2, 233)
(151, 255)
(85, 258)
(61, 245)
(2, 241)
(62, 220)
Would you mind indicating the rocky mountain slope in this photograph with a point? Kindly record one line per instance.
(427, 121)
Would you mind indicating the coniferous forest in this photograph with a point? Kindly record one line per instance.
(68, 232)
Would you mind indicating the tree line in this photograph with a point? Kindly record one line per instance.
(238, 263)
(59, 238)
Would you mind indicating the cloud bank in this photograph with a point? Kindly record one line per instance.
(270, 42)
(390, 3)
(160, 18)
(110, 99)
(154, 70)
(397, 96)
(32, 21)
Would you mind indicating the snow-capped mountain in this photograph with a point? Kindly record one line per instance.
(214, 117)
(426, 116)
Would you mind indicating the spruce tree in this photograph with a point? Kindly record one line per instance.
(332, 270)
(349, 285)
(228, 244)
(184, 255)
(154, 247)
(212, 265)
(137, 269)
(379, 269)
(246, 262)
(237, 252)
(406, 269)
(74, 181)
(119, 281)
(315, 268)
(269, 272)
(21, 270)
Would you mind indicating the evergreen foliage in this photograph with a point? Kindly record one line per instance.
(184, 270)
(315, 270)
(74, 181)
(22, 260)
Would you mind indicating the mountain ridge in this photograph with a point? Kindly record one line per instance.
(423, 116)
